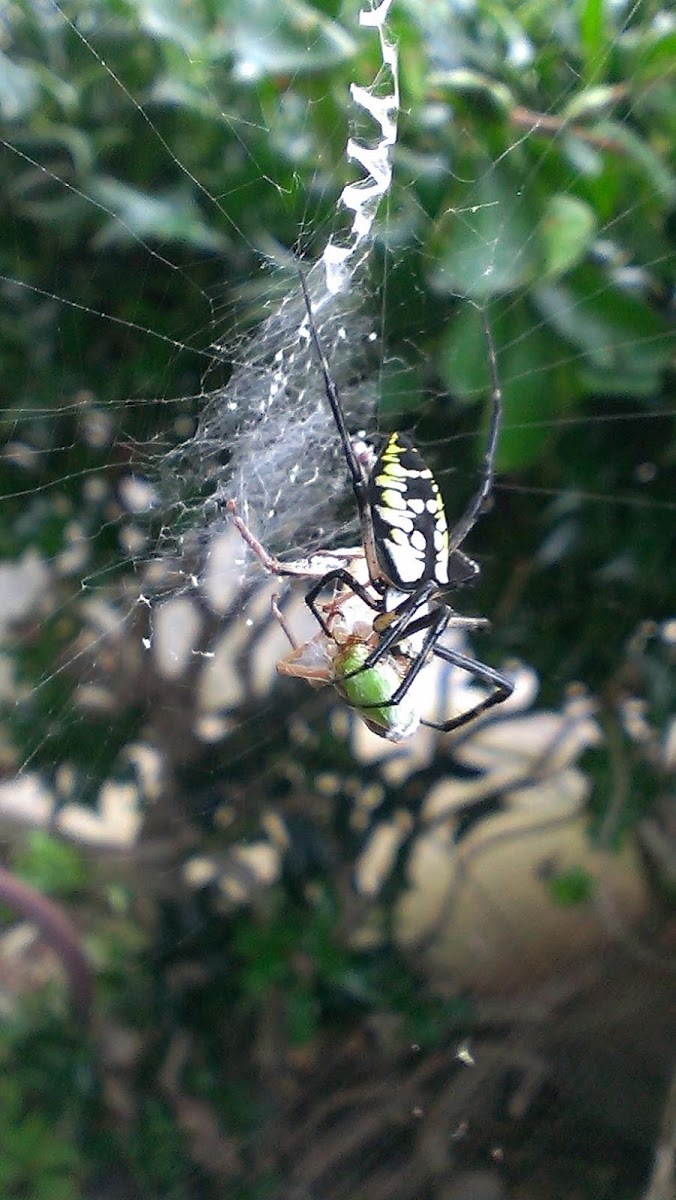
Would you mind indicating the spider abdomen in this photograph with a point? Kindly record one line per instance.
(409, 522)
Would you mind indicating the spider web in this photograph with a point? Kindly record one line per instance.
(124, 585)
(141, 514)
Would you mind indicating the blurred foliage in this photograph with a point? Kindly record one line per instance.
(50, 865)
(152, 153)
(532, 175)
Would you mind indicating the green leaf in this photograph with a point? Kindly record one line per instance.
(656, 62)
(303, 1013)
(485, 248)
(623, 344)
(655, 170)
(186, 97)
(571, 887)
(400, 388)
(536, 380)
(19, 89)
(463, 82)
(273, 39)
(173, 217)
(590, 102)
(51, 865)
(594, 37)
(51, 144)
(172, 20)
(565, 232)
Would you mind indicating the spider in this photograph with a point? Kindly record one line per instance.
(411, 564)
(339, 653)
(414, 561)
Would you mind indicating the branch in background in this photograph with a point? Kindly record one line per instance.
(58, 931)
(535, 122)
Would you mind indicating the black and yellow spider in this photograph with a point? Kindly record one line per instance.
(414, 561)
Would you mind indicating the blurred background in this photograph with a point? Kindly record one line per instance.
(248, 949)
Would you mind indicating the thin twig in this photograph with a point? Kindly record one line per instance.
(58, 931)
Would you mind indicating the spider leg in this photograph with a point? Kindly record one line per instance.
(339, 575)
(268, 561)
(333, 398)
(436, 623)
(437, 620)
(396, 625)
(315, 566)
(402, 628)
(502, 687)
(283, 623)
(357, 476)
(458, 533)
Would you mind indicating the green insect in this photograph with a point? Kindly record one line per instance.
(339, 658)
(369, 690)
